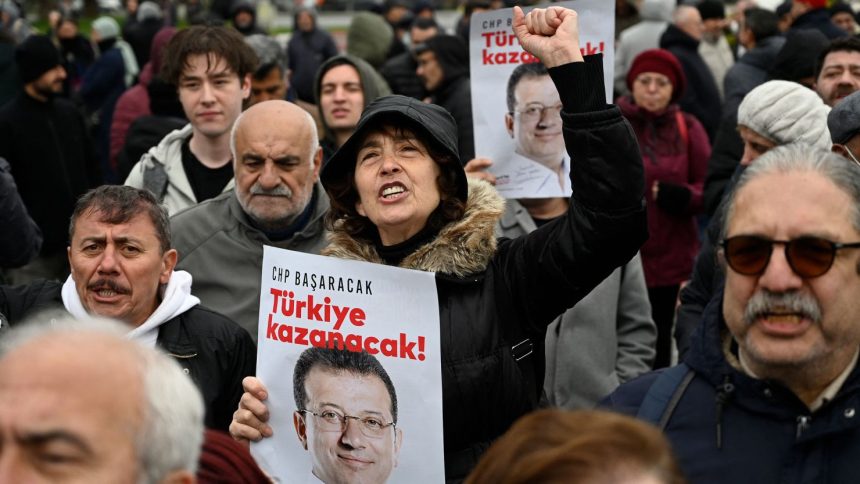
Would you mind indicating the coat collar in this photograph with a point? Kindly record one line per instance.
(463, 247)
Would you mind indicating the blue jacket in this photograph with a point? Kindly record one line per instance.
(731, 428)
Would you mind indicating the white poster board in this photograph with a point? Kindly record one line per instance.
(529, 161)
(391, 313)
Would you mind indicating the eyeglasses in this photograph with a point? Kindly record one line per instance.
(534, 111)
(807, 256)
(333, 421)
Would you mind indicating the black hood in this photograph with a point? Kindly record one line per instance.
(452, 53)
(429, 119)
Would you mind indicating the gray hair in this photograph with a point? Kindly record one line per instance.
(269, 53)
(799, 157)
(309, 120)
(171, 433)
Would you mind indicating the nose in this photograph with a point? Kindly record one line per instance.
(269, 176)
(748, 157)
(338, 94)
(207, 94)
(390, 165)
(108, 263)
(352, 437)
(778, 276)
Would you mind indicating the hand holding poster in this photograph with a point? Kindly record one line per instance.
(350, 354)
(517, 117)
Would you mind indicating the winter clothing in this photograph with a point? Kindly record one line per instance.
(730, 427)
(160, 170)
(786, 112)
(306, 52)
(399, 73)
(101, 88)
(497, 297)
(218, 229)
(372, 86)
(663, 62)
(370, 38)
(749, 71)
(454, 93)
(52, 158)
(606, 339)
(251, 28)
(818, 19)
(702, 98)
(36, 56)
(10, 83)
(21, 238)
(719, 59)
(134, 103)
(796, 60)
(645, 35)
(212, 350)
(727, 152)
(668, 255)
(140, 35)
(78, 55)
(223, 459)
(843, 122)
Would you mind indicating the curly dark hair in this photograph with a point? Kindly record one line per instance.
(344, 195)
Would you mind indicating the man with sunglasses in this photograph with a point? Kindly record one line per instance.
(770, 390)
(346, 416)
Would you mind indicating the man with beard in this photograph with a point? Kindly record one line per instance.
(122, 263)
(837, 72)
(771, 384)
(277, 201)
(45, 141)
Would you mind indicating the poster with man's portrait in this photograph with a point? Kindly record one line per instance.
(515, 106)
(350, 355)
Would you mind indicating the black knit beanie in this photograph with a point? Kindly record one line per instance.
(35, 56)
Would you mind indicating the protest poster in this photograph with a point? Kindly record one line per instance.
(524, 139)
(308, 302)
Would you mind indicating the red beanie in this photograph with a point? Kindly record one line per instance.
(815, 3)
(663, 62)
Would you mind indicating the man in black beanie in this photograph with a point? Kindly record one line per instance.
(45, 140)
(443, 67)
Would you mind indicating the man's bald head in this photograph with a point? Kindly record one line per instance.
(276, 162)
(688, 19)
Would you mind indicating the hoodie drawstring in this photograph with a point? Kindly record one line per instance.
(724, 392)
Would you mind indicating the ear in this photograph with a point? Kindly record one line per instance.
(179, 477)
(317, 164)
(359, 208)
(168, 263)
(838, 149)
(398, 441)
(509, 124)
(301, 428)
(69, 256)
(246, 86)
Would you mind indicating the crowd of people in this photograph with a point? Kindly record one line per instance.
(696, 285)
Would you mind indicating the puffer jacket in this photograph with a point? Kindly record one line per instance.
(160, 171)
(730, 428)
(213, 350)
(496, 298)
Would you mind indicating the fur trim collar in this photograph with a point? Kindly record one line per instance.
(462, 248)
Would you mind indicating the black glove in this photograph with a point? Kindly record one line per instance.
(672, 198)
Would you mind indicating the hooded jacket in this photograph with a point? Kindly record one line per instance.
(21, 239)
(370, 38)
(372, 86)
(161, 172)
(211, 349)
(496, 298)
(306, 52)
(729, 427)
(818, 19)
(454, 93)
(701, 98)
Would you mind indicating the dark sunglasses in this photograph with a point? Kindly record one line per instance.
(807, 256)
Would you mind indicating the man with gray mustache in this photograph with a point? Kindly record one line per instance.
(276, 201)
(770, 389)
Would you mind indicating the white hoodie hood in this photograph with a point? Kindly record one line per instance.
(176, 300)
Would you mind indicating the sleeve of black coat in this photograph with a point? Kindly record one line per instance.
(550, 269)
(727, 153)
(699, 291)
(241, 362)
(20, 238)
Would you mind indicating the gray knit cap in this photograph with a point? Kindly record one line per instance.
(786, 112)
(148, 10)
(844, 119)
(107, 27)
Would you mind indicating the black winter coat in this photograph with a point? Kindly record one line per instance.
(20, 238)
(701, 98)
(213, 350)
(399, 73)
(456, 97)
(52, 160)
(730, 428)
(818, 19)
(496, 298)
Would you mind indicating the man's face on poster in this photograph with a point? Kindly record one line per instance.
(350, 452)
(535, 124)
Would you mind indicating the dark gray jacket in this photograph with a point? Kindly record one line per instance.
(20, 237)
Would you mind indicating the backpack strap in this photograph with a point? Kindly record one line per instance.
(155, 180)
(682, 128)
(664, 394)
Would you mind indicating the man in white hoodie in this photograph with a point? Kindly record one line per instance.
(122, 268)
